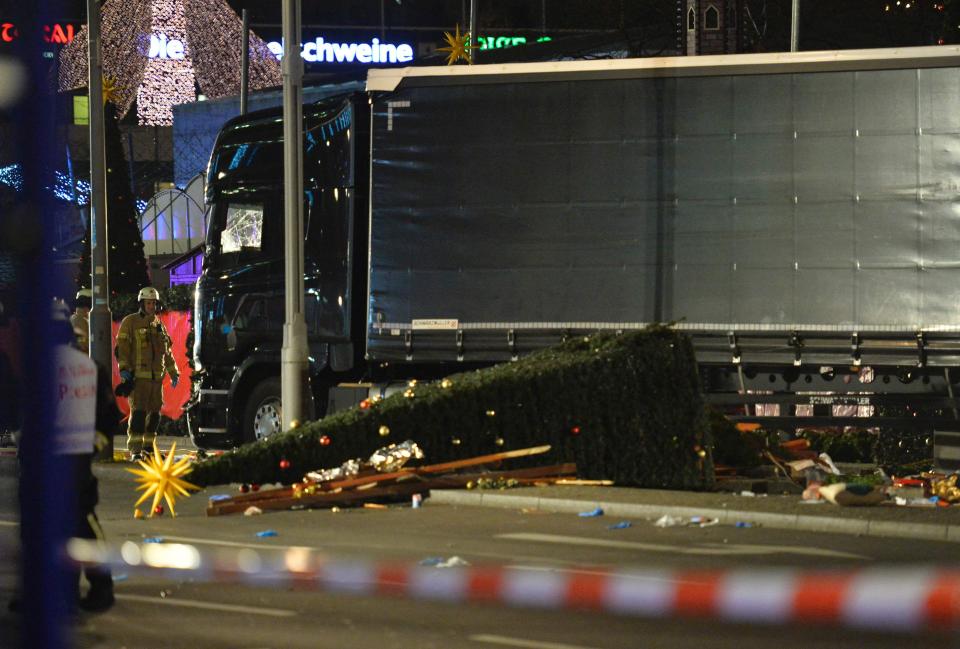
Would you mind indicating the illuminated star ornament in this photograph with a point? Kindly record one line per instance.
(162, 478)
(158, 52)
(457, 47)
(110, 91)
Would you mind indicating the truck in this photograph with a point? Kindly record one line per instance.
(795, 214)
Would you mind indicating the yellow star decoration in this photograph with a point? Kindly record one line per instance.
(110, 90)
(457, 47)
(162, 478)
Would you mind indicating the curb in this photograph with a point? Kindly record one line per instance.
(802, 522)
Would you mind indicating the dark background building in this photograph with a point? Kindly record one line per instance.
(509, 30)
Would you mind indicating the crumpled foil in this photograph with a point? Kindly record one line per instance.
(392, 458)
(384, 460)
(348, 469)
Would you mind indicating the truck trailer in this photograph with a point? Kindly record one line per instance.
(795, 214)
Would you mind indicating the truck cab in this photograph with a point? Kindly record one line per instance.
(239, 305)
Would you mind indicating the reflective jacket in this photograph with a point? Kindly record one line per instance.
(143, 347)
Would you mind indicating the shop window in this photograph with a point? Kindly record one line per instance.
(81, 110)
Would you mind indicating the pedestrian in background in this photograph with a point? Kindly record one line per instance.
(144, 354)
(80, 320)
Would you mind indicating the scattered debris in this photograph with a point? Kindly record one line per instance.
(703, 521)
(440, 562)
(374, 506)
(593, 512)
(742, 524)
(622, 525)
(252, 510)
(267, 533)
(668, 521)
(852, 495)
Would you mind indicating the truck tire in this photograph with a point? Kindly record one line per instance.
(262, 416)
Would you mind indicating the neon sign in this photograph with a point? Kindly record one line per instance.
(318, 51)
(161, 48)
(499, 42)
(57, 33)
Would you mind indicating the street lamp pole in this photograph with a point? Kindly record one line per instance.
(244, 60)
(293, 355)
(794, 25)
(473, 31)
(100, 317)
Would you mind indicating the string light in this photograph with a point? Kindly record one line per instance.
(209, 32)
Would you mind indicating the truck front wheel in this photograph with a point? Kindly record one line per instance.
(262, 416)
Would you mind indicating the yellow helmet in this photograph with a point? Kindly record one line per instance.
(148, 293)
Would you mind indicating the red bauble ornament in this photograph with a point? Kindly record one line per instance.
(244, 488)
(158, 510)
(325, 440)
(575, 430)
(364, 404)
(284, 464)
(255, 487)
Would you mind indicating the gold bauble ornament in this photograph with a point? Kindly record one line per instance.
(498, 441)
(384, 431)
(295, 423)
(446, 383)
(412, 383)
(408, 393)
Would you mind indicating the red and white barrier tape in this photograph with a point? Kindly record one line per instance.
(899, 598)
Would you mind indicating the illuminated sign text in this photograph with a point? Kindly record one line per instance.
(499, 42)
(319, 51)
(161, 48)
(57, 33)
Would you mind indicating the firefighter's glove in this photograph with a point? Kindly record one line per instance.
(174, 380)
(126, 376)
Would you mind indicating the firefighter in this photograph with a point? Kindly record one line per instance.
(80, 320)
(144, 355)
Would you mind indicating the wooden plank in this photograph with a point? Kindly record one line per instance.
(320, 499)
(373, 491)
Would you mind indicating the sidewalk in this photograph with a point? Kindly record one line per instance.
(775, 511)
(783, 512)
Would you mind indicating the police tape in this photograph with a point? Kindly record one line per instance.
(892, 598)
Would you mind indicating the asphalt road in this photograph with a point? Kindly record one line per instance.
(154, 613)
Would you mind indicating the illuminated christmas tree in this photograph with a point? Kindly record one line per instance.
(159, 51)
(127, 264)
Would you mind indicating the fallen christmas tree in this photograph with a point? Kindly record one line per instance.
(625, 407)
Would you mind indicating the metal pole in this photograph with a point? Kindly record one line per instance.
(100, 316)
(794, 25)
(473, 31)
(293, 356)
(244, 62)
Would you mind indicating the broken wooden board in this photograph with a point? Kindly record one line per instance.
(255, 498)
(373, 491)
